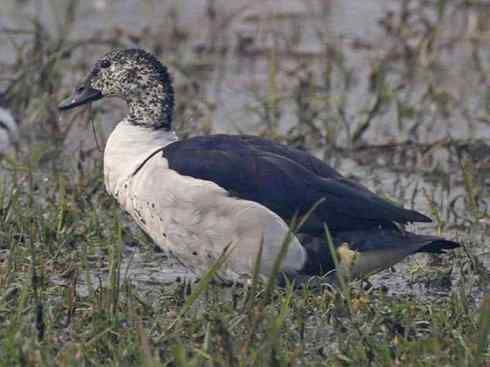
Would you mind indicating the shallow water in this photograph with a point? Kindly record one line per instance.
(299, 27)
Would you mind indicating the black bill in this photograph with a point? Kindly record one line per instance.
(81, 95)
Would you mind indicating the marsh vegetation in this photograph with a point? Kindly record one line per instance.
(393, 93)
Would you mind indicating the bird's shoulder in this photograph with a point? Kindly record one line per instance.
(245, 150)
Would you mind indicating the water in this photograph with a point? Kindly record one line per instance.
(299, 27)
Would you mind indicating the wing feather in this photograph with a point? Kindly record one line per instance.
(285, 180)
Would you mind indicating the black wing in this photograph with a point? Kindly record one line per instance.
(285, 180)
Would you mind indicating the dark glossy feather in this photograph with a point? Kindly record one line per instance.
(285, 180)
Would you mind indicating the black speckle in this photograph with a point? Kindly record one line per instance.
(194, 253)
(105, 64)
(153, 205)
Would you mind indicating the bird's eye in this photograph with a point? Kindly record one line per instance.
(105, 64)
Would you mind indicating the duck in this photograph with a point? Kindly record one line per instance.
(203, 196)
(9, 131)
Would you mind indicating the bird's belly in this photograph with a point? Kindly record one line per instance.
(176, 227)
(196, 221)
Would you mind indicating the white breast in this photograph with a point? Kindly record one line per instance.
(193, 218)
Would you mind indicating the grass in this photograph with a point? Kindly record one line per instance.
(77, 279)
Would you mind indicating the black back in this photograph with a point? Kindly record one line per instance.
(288, 181)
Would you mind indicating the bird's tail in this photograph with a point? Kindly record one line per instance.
(365, 252)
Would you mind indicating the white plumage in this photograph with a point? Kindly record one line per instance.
(193, 218)
(8, 130)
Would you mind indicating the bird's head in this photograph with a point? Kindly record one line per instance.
(137, 77)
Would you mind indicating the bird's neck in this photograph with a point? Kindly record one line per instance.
(128, 147)
(153, 107)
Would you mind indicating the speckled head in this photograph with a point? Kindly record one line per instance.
(135, 76)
